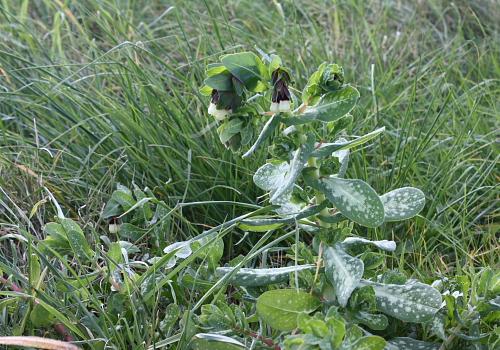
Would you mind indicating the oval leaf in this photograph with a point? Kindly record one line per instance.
(403, 203)
(410, 302)
(207, 341)
(343, 271)
(270, 176)
(355, 199)
(279, 308)
(261, 277)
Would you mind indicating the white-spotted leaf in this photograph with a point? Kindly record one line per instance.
(343, 271)
(388, 246)
(410, 302)
(404, 343)
(261, 277)
(296, 165)
(279, 308)
(208, 341)
(279, 179)
(402, 203)
(355, 199)
(271, 175)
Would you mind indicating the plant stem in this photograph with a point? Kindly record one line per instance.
(319, 196)
(267, 341)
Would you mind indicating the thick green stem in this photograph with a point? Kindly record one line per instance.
(312, 162)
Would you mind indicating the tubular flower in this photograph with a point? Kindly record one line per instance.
(219, 114)
(114, 225)
(280, 101)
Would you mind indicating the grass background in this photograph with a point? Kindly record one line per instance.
(98, 92)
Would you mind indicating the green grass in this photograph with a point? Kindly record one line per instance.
(94, 93)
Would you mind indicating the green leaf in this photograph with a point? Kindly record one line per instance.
(270, 175)
(388, 246)
(248, 68)
(39, 317)
(404, 343)
(261, 277)
(403, 203)
(279, 178)
(207, 341)
(343, 271)
(410, 302)
(221, 81)
(76, 239)
(267, 130)
(355, 199)
(121, 200)
(279, 196)
(279, 308)
(261, 224)
(331, 107)
(229, 128)
(326, 149)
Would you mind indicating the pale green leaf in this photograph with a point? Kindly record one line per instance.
(343, 271)
(410, 302)
(386, 245)
(261, 277)
(355, 199)
(403, 203)
(279, 308)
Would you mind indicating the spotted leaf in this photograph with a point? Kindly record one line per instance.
(355, 199)
(343, 271)
(402, 203)
(404, 343)
(261, 277)
(410, 302)
(271, 175)
(279, 308)
(279, 178)
(386, 245)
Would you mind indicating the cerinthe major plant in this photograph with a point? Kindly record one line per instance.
(308, 190)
